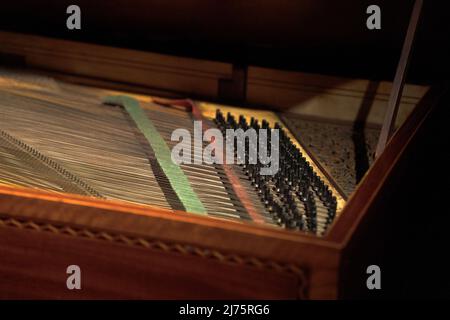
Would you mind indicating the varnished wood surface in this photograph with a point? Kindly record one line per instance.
(227, 238)
(123, 65)
(320, 259)
(257, 246)
(329, 97)
(33, 265)
(123, 69)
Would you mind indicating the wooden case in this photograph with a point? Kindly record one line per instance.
(133, 251)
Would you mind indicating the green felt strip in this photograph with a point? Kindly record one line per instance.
(175, 175)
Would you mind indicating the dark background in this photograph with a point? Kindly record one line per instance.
(328, 37)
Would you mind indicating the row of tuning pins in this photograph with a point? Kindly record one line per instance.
(302, 180)
(289, 194)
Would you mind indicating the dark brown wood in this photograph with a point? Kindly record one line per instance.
(34, 263)
(169, 76)
(225, 241)
(150, 70)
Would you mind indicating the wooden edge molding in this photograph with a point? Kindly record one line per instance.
(27, 224)
(179, 74)
(151, 221)
(268, 247)
(304, 93)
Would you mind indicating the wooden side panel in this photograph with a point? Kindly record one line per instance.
(309, 94)
(327, 96)
(174, 74)
(33, 265)
(230, 250)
